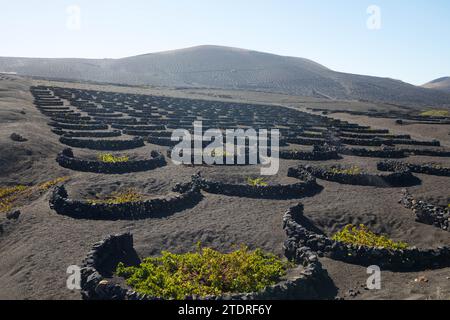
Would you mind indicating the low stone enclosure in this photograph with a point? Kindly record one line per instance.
(430, 169)
(400, 116)
(307, 187)
(380, 142)
(153, 208)
(48, 102)
(427, 213)
(67, 160)
(81, 127)
(101, 262)
(301, 233)
(76, 120)
(403, 178)
(433, 143)
(374, 136)
(381, 153)
(427, 152)
(106, 145)
(139, 127)
(88, 134)
(245, 158)
(319, 153)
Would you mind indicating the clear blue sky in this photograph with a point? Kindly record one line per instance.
(413, 43)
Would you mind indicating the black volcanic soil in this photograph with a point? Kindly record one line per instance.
(37, 248)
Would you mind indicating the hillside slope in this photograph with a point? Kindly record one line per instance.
(19, 115)
(229, 68)
(442, 84)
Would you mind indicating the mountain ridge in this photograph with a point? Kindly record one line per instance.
(442, 84)
(221, 67)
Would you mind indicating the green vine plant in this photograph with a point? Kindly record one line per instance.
(127, 196)
(362, 236)
(257, 182)
(12, 195)
(435, 113)
(205, 272)
(218, 153)
(353, 170)
(110, 158)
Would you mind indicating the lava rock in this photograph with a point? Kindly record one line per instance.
(13, 215)
(17, 137)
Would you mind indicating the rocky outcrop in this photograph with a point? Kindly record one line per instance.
(17, 137)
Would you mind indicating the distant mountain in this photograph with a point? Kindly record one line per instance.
(229, 68)
(442, 84)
